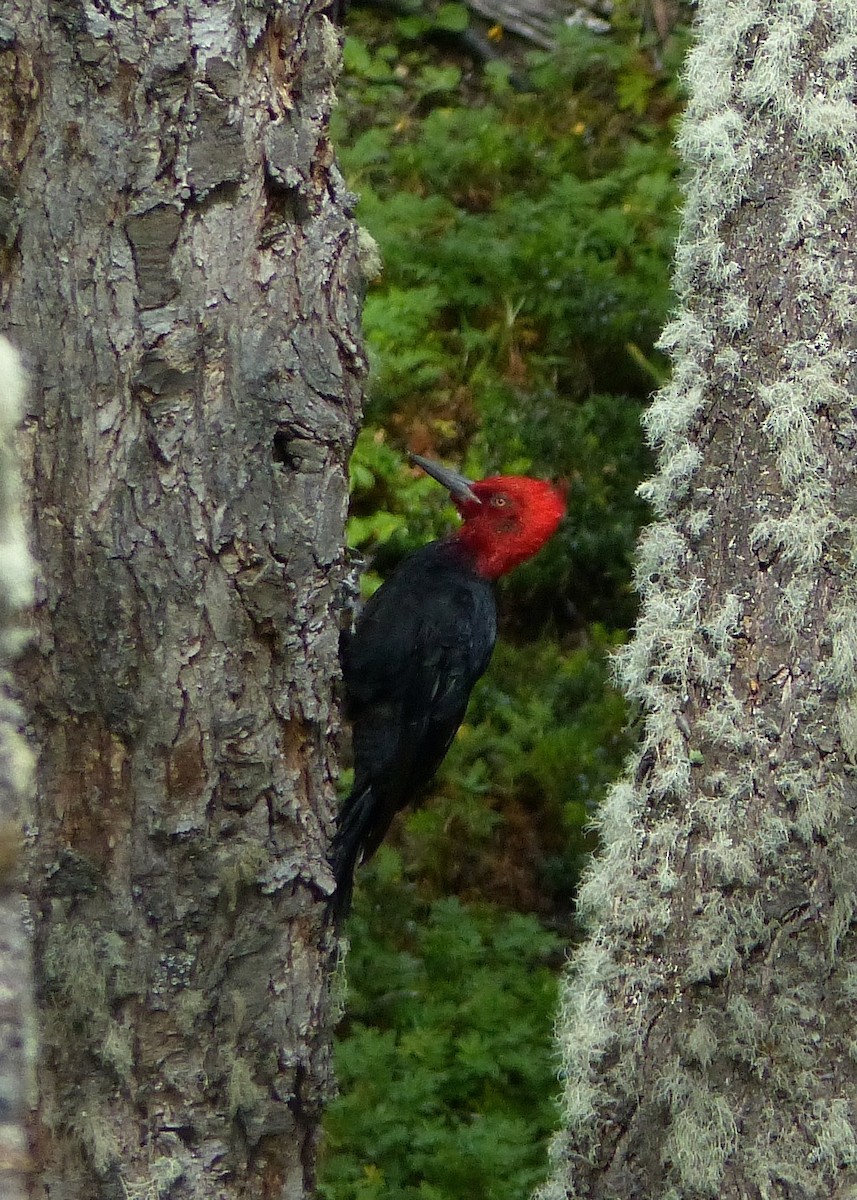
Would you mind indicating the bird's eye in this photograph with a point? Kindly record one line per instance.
(499, 501)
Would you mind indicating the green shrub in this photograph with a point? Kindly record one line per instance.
(526, 237)
(445, 1069)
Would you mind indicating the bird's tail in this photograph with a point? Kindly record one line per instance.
(349, 842)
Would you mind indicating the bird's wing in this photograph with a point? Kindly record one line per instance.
(429, 616)
(421, 644)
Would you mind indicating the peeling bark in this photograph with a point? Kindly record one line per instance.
(181, 268)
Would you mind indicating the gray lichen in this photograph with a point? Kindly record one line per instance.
(85, 972)
(723, 895)
(18, 1047)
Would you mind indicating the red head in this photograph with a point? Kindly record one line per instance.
(506, 518)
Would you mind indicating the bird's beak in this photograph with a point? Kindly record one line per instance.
(459, 487)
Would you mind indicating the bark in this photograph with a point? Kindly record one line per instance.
(183, 272)
(539, 20)
(708, 1024)
(17, 1044)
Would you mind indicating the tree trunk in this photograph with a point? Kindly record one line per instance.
(708, 1033)
(17, 1047)
(183, 272)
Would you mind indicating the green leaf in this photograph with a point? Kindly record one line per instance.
(357, 59)
(453, 17)
(356, 56)
(439, 79)
(378, 528)
(413, 27)
(634, 88)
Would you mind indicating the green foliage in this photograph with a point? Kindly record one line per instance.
(526, 237)
(394, 508)
(540, 744)
(535, 225)
(446, 1075)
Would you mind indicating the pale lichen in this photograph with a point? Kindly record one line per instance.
(702, 1130)
(727, 853)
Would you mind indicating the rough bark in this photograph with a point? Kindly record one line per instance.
(183, 272)
(708, 1026)
(17, 1043)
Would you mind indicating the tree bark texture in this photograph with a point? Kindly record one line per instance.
(538, 20)
(184, 275)
(17, 1041)
(708, 1020)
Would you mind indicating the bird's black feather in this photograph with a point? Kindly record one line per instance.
(421, 643)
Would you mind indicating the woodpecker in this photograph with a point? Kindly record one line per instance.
(420, 644)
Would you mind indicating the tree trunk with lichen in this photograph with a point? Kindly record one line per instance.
(708, 1028)
(17, 1044)
(181, 269)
